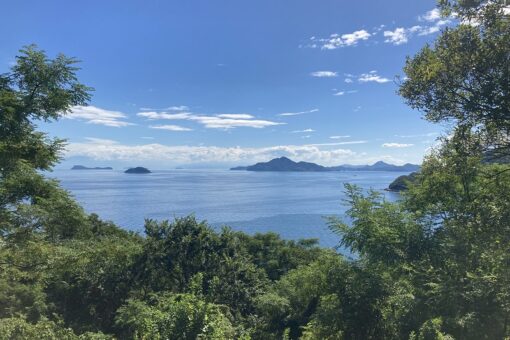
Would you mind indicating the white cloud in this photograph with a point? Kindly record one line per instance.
(236, 116)
(431, 16)
(96, 115)
(164, 155)
(348, 80)
(335, 40)
(298, 113)
(372, 76)
(341, 93)
(215, 122)
(222, 121)
(170, 127)
(341, 143)
(324, 74)
(170, 108)
(101, 141)
(429, 134)
(396, 145)
(152, 115)
(113, 151)
(340, 137)
(397, 37)
(303, 131)
(433, 23)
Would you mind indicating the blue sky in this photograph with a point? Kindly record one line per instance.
(219, 83)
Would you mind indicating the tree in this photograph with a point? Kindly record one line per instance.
(464, 76)
(37, 88)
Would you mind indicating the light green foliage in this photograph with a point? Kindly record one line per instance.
(20, 329)
(430, 330)
(181, 316)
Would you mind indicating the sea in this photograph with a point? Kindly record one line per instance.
(295, 205)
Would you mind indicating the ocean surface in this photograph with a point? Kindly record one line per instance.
(292, 204)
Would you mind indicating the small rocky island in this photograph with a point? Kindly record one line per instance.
(82, 167)
(137, 170)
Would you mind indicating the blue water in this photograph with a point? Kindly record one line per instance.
(289, 203)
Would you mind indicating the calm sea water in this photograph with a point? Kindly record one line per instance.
(290, 203)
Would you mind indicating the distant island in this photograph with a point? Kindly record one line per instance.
(82, 167)
(286, 164)
(137, 170)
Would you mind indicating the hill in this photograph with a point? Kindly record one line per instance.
(82, 167)
(286, 164)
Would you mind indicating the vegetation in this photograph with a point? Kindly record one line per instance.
(435, 265)
(401, 183)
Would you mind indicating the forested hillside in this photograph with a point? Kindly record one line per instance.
(435, 265)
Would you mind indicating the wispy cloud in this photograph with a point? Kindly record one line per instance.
(170, 127)
(152, 115)
(431, 16)
(169, 108)
(303, 131)
(340, 137)
(432, 23)
(429, 134)
(324, 74)
(341, 93)
(96, 115)
(223, 121)
(215, 122)
(341, 143)
(372, 76)
(236, 116)
(336, 40)
(287, 114)
(396, 145)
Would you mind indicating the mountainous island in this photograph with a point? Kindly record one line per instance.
(286, 164)
(137, 170)
(82, 167)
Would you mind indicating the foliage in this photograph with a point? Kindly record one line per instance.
(181, 316)
(464, 76)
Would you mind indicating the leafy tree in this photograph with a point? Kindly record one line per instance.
(464, 76)
(37, 88)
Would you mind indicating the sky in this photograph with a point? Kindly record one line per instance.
(216, 83)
